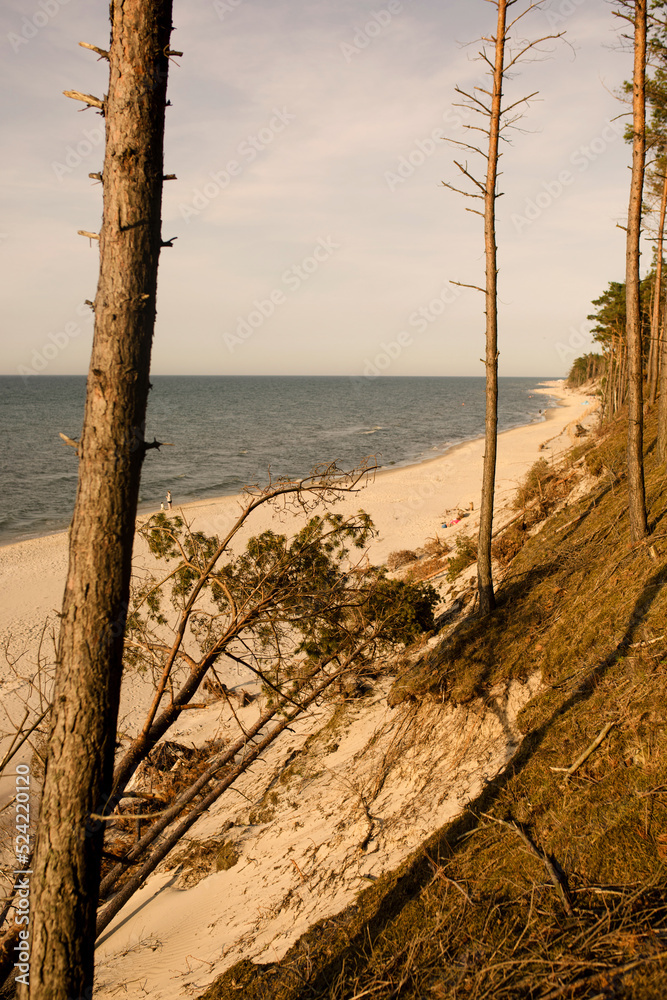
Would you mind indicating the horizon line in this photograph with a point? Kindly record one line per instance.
(366, 378)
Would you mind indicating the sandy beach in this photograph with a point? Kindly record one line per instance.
(408, 505)
(300, 860)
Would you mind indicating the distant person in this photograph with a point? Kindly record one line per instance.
(168, 499)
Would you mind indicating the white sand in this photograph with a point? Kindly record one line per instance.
(408, 769)
(359, 800)
(408, 505)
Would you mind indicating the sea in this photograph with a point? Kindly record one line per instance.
(231, 431)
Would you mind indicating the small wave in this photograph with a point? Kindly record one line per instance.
(288, 425)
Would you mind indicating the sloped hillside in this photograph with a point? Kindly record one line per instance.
(550, 884)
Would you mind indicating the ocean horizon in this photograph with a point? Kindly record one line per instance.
(232, 431)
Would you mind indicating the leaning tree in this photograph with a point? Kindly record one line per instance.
(79, 766)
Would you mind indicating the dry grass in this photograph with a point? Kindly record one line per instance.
(508, 544)
(472, 913)
(422, 564)
(199, 859)
(541, 486)
(427, 568)
(397, 560)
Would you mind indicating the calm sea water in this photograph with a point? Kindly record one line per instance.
(229, 431)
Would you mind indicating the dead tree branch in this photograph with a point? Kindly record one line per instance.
(88, 99)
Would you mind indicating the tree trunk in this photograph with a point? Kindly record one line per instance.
(661, 447)
(81, 751)
(622, 380)
(487, 600)
(656, 316)
(651, 351)
(611, 376)
(636, 493)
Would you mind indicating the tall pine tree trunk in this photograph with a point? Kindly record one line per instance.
(656, 315)
(81, 751)
(636, 493)
(661, 447)
(487, 600)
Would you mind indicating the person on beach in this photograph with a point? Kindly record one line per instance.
(168, 499)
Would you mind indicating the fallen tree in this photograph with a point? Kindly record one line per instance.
(300, 613)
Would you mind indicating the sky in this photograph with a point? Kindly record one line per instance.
(310, 143)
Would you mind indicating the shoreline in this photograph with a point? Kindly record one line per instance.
(550, 413)
(408, 505)
(147, 508)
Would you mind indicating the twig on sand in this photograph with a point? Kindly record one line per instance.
(303, 877)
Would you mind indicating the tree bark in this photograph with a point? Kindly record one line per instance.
(487, 600)
(656, 316)
(612, 367)
(635, 451)
(661, 447)
(81, 751)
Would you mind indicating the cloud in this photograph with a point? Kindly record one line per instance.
(361, 161)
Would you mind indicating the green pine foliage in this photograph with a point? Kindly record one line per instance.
(296, 602)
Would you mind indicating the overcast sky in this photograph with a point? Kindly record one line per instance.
(314, 233)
